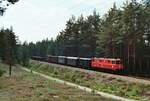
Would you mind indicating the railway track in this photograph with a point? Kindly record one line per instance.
(115, 76)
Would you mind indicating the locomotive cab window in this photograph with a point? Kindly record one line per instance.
(118, 62)
(113, 62)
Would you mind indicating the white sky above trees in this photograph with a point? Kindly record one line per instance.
(34, 20)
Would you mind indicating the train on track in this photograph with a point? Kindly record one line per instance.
(107, 64)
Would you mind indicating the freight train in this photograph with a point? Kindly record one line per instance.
(108, 64)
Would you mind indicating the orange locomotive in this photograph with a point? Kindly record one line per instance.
(107, 63)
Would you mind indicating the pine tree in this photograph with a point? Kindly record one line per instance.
(109, 36)
(9, 48)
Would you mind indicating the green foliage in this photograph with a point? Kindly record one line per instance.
(2, 72)
(7, 3)
(8, 46)
(23, 54)
(79, 36)
(41, 48)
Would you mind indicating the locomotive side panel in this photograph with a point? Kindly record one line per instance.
(106, 63)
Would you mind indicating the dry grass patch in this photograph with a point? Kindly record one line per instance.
(23, 86)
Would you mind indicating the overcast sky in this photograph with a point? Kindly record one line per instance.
(34, 20)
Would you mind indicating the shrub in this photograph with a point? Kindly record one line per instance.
(1, 72)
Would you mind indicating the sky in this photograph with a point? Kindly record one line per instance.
(34, 20)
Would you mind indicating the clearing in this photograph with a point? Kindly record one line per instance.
(23, 86)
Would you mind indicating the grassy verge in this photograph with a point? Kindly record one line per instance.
(96, 81)
(23, 86)
(2, 69)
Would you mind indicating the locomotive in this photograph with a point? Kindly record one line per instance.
(108, 64)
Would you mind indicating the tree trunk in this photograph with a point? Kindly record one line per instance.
(140, 65)
(148, 66)
(134, 57)
(128, 58)
(113, 51)
(10, 69)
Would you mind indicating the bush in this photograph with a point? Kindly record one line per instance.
(1, 72)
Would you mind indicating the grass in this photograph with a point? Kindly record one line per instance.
(2, 69)
(23, 86)
(96, 81)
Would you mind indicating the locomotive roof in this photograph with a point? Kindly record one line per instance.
(112, 59)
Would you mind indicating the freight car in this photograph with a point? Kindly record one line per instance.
(62, 60)
(72, 61)
(38, 58)
(84, 62)
(52, 59)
